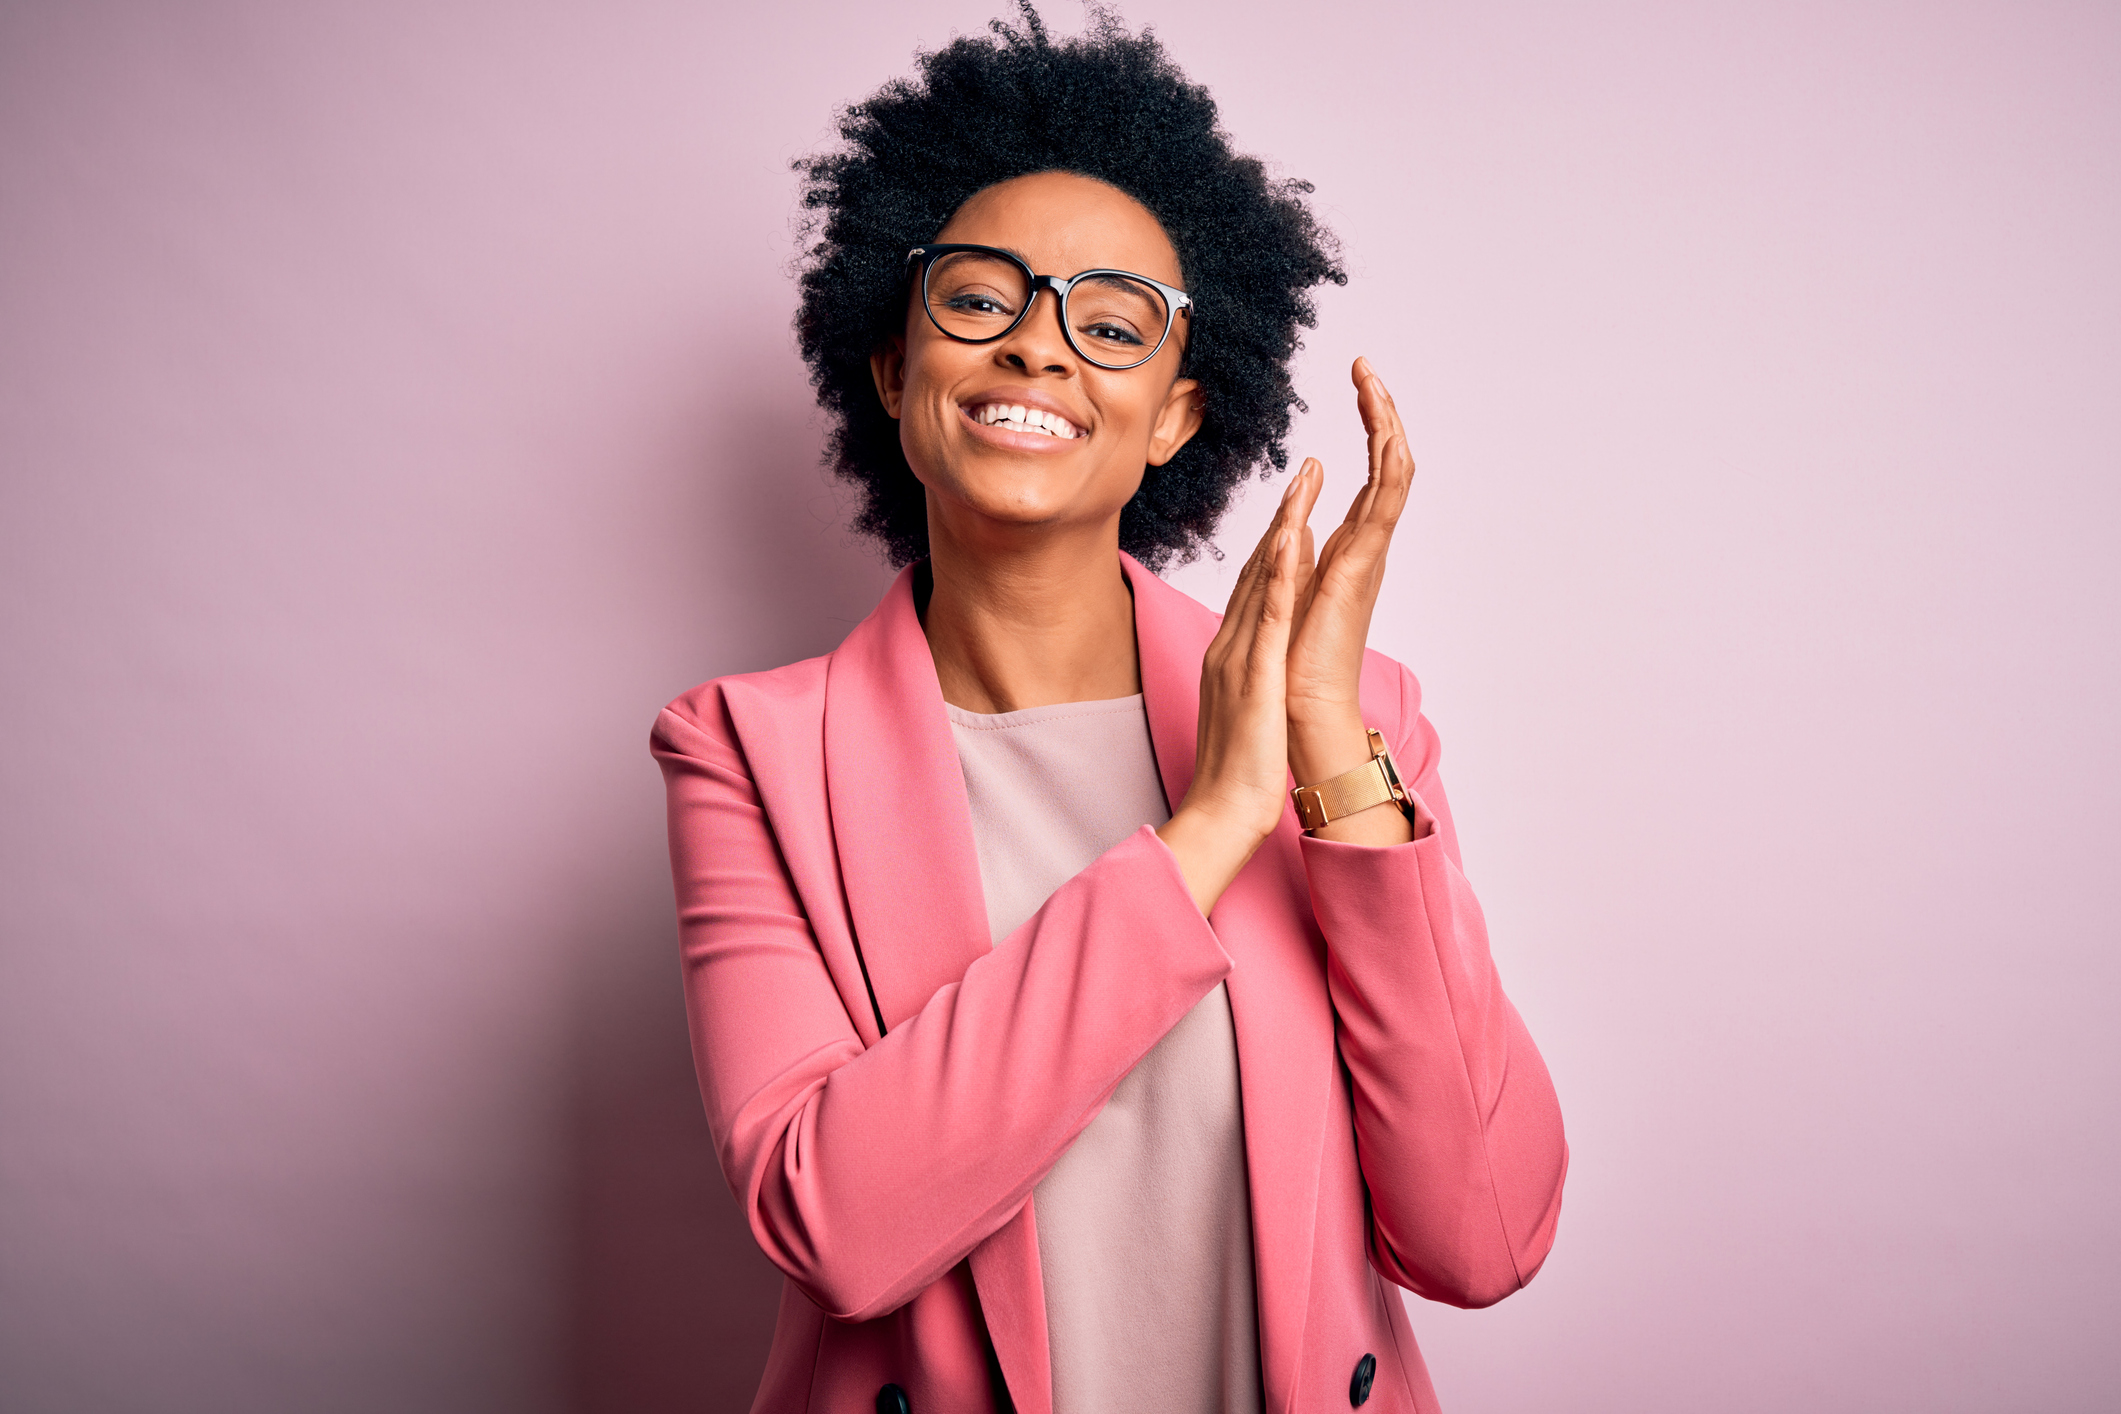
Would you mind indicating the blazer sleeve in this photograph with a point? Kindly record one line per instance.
(868, 1172)
(1457, 1127)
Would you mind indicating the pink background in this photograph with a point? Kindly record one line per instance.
(399, 405)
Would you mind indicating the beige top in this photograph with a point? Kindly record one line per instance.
(1145, 1224)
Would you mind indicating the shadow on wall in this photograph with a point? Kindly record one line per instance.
(673, 1301)
(673, 1304)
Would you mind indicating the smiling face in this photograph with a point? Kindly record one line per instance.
(1023, 436)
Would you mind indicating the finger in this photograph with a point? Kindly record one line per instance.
(1243, 621)
(1291, 512)
(1310, 481)
(1245, 588)
(1267, 657)
(1248, 595)
(1374, 399)
(1377, 510)
(1360, 502)
(1355, 559)
(1263, 552)
(1395, 477)
(1395, 480)
(1306, 567)
(1371, 404)
(1335, 543)
(1374, 405)
(1303, 496)
(1381, 419)
(1367, 403)
(1371, 390)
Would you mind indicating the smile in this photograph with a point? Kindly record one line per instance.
(1015, 417)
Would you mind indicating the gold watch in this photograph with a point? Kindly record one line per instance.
(1374, 782)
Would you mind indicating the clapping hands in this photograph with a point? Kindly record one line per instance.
(1279, 686)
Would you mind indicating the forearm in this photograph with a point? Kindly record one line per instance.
(1456, 1119)
(869, 1174)
(1209, 852)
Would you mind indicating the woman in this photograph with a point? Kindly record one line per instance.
(1052, 1057)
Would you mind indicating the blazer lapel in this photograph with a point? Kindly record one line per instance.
(1278, 1000)
(1012, 1297)
(899, 812)
(911, 872)
(1171, 636)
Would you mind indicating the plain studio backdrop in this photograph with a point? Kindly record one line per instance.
(398, 404)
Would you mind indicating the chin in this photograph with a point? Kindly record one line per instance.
(983, 504)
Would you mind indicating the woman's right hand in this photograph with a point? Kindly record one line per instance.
(1241, 762)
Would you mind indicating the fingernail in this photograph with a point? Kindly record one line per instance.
(1281, 543)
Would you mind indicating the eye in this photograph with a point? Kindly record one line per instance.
(976, 304)
(1107, 332)
(1114, 308)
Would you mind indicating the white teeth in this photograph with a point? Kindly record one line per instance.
(1026, 418)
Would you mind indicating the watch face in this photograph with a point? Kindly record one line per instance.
(1384, 759)
(1399, 788)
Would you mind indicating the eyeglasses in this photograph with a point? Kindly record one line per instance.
(1114, 318)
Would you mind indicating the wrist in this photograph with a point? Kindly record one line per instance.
(1225, 826)
(1367, 804)
(1209, 849)
(1322, 747)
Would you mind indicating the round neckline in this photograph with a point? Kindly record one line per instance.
(1052, 711)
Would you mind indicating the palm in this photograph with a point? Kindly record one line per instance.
(1337, 592)
(1278, 685)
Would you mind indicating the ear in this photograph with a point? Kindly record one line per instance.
(888, 367)
(1176, 421)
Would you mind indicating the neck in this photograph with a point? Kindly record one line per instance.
(1031, 624)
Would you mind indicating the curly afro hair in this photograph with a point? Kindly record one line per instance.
(1108, 105)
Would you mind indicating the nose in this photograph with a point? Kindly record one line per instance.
(1039, 342)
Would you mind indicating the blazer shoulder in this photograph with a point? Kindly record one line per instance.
(1168, 606)
(714, 711)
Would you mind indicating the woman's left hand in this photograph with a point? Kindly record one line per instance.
(1335, 597)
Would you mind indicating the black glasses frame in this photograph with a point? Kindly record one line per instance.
(1175, 299)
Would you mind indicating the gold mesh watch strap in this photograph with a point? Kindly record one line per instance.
(1374, 782)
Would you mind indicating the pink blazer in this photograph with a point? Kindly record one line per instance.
(885, 1086)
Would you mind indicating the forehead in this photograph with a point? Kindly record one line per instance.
(1062, 223)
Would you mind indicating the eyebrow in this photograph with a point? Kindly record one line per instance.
(1012, 250)
(1110, 269)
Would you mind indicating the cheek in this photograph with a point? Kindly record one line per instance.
(925, 409)
(1127, 411)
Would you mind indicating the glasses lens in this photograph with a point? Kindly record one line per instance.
(973, 295)
(1116, 319)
